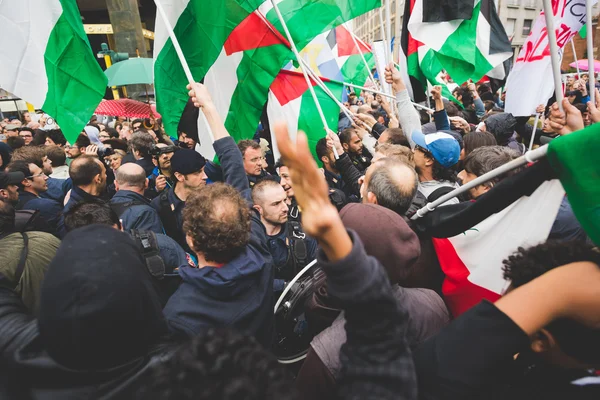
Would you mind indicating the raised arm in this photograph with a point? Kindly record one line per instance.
(407, 115)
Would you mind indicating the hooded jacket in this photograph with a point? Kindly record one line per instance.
(503, 126)
(100, 324)
(140, 214)
(239, 294)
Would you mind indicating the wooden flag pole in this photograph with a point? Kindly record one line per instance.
(182, 60)
(590, 51)
(554, 52)
(299, 59)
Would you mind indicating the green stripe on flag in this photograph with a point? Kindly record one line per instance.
(429, 69)
(201, 30)
(305, 19)
(583, 31)
(310, 121)
(573, 157)
(354, 70)
(76, 83)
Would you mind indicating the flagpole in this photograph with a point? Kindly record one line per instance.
(299, 59)
(388, 32)
(575, 57)
(590, 51)
(182, 60)
(385, 94)
(535, 123)
(554, 52)
(529, 157)
(361, 56)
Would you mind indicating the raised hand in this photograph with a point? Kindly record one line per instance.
(394, 78)
(199, 94)
(565, 122)
(594, 109)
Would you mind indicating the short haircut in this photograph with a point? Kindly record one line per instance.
(56, 155)
(217, 219)
(258, 190)
(116, 144)
(31, 154)
(474, 140)
(575, 339)
(15, 142)
(83, 170)
(397, 136)
(280, 163)
(57, 137)
(244, 145)
(125, 178)
(389, 191)
(142, 142)
(88, 213)
(451, 109)
(19, 166)
(397, 152)
(112, 132)
(7, 217)
(489, 105)
(82, 141)
(485, 159)
(26, 129)
(322, 149)
(346, 135)
(219, 363)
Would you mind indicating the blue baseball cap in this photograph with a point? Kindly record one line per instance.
(443, 147)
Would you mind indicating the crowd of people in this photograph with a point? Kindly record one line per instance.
(133, 267)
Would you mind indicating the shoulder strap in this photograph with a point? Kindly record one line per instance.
(22, 259)
(120, 208)
(439, 192)
(25, 219)
(151, 252)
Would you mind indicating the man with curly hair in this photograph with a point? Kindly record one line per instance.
(233, 283)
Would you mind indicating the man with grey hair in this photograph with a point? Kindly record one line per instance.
(483, 160)
(129, 203)
(141, 145)
(391, 184)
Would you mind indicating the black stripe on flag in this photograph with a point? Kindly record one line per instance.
(499, 42)
(446, 10)
(417, 86)
(332, 38)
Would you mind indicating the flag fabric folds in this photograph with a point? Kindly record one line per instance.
(571, 157)
(531, 82)
(290, 100)
(467, 37)
(47, 61)
(472, 239)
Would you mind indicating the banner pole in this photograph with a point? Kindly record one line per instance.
(535, 123)
(590, 50)
(299, 58)
(182, 60)
(554, 52)
(575, 57)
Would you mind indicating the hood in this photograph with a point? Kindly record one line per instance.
(98, 307)
(386, 236)
(229, 280)
(94, 135)
(6, 154)
(502, 126)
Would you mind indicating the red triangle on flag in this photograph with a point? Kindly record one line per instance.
(253, 32)
(346, 46)
(289, 85)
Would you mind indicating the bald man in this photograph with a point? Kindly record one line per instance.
(129, 203)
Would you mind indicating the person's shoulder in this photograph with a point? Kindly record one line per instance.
(43, 239)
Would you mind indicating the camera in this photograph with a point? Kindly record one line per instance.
(157, 151)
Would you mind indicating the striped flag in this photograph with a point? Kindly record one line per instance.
(467, 37)
(48, 62)
(290, 100)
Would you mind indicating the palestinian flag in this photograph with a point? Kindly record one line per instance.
(201, 28)
(256, 51)
(466, 36)
(48, 62)
(421, 63)
(334, 55)
(290, 100)
(472, 239)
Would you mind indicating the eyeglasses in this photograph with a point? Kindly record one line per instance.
(31, 177)
(424, 150)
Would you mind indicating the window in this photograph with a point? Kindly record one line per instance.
(514, 3)
(527, 27)
(531, 4)
(510, 27)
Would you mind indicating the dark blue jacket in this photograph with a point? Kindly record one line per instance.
(50, 210)
(55, 190)
(140, 216)
(238, 294)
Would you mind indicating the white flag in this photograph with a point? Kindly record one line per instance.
(530, 82)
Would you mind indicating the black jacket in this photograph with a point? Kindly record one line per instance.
(50, 210)
(350, 175)
(100, 323)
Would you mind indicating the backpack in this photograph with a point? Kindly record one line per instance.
(120, 208)
(29, 221)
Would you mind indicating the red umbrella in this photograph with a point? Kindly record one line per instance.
(127, 108)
